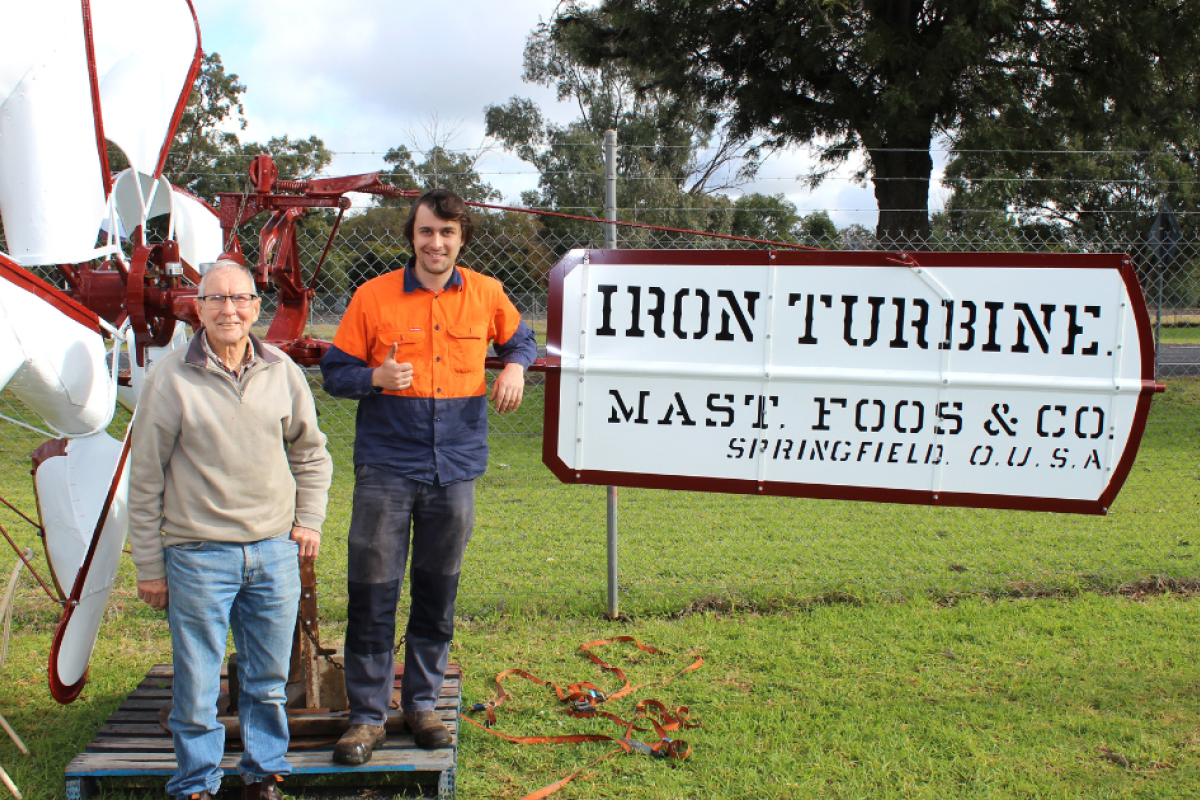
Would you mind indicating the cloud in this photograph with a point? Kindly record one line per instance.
(846, 201)
(360, 73)
(368, 75)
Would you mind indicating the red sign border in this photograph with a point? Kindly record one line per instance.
(858, 258)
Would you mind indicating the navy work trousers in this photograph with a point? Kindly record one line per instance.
(387, 509)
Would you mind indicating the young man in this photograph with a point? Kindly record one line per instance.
(411, 349)
(229, 464)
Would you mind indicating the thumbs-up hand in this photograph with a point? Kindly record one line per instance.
(391, 375)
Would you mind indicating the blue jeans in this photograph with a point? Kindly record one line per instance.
(388, 510)
(255, 590)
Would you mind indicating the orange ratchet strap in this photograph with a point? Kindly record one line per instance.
(583, 701)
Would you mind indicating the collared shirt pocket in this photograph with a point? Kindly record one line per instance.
(410, 345)
(468, 347)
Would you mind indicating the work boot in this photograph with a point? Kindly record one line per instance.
(357, 744)
(428, 730)
(266, 789)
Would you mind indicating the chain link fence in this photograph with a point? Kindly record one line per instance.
(541, 545)
(680, 550)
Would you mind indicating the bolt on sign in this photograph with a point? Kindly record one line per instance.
(991, 380)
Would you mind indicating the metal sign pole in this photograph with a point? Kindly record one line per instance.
(610, 243)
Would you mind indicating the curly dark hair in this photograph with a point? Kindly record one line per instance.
(446, 205)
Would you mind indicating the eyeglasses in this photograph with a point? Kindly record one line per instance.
(215, 301)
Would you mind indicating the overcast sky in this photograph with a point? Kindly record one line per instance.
(366, 75)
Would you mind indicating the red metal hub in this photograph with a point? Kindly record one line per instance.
(157, 297)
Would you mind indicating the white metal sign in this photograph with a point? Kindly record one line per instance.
(962, 379)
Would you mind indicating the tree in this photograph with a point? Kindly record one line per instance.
(886, 76)
(760, 216)
(674, 156)
(441, 168)
(456, 170)
(508, 245)
(1093, 169)
(378, 233)
(200, 139)
(1107, 184)
(207, 155)
(368, 245)
(818, 230)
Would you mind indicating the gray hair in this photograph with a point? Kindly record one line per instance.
(225, 265)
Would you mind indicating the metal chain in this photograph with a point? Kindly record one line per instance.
(327, 653)
(323, 652)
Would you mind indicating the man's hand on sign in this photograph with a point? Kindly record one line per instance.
(308, 539)
(509, 388)
(392, 375)
(153, 593)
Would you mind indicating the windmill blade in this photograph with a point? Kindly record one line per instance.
(147, 56)
(197, 226)
(53, 167)
(75, 637)
(53, 356)
(70, 478)
(197, 229)
(139, 197)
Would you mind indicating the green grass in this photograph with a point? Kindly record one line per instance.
(676, 547)
(852, 650)
(1096, 696)
(983, 699)
(1180, 334)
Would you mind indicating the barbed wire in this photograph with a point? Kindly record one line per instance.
(856, 149)
(815, 148)
(803, 178)
(634, 210)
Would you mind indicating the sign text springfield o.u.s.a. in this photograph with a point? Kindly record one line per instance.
(961, 379)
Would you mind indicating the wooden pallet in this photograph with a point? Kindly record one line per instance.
(133, 744)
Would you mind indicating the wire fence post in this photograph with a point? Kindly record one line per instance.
(610, 243)
(1165, 234)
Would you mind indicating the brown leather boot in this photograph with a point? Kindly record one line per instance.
(428, 730)
(357, 744)
(267, 789)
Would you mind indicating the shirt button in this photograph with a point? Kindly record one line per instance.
(437, 327)
(439, 390)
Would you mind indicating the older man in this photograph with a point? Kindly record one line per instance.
(228, 488)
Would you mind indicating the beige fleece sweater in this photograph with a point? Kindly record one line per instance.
(215, 461)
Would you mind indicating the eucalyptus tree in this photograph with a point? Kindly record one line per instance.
(886, 77)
